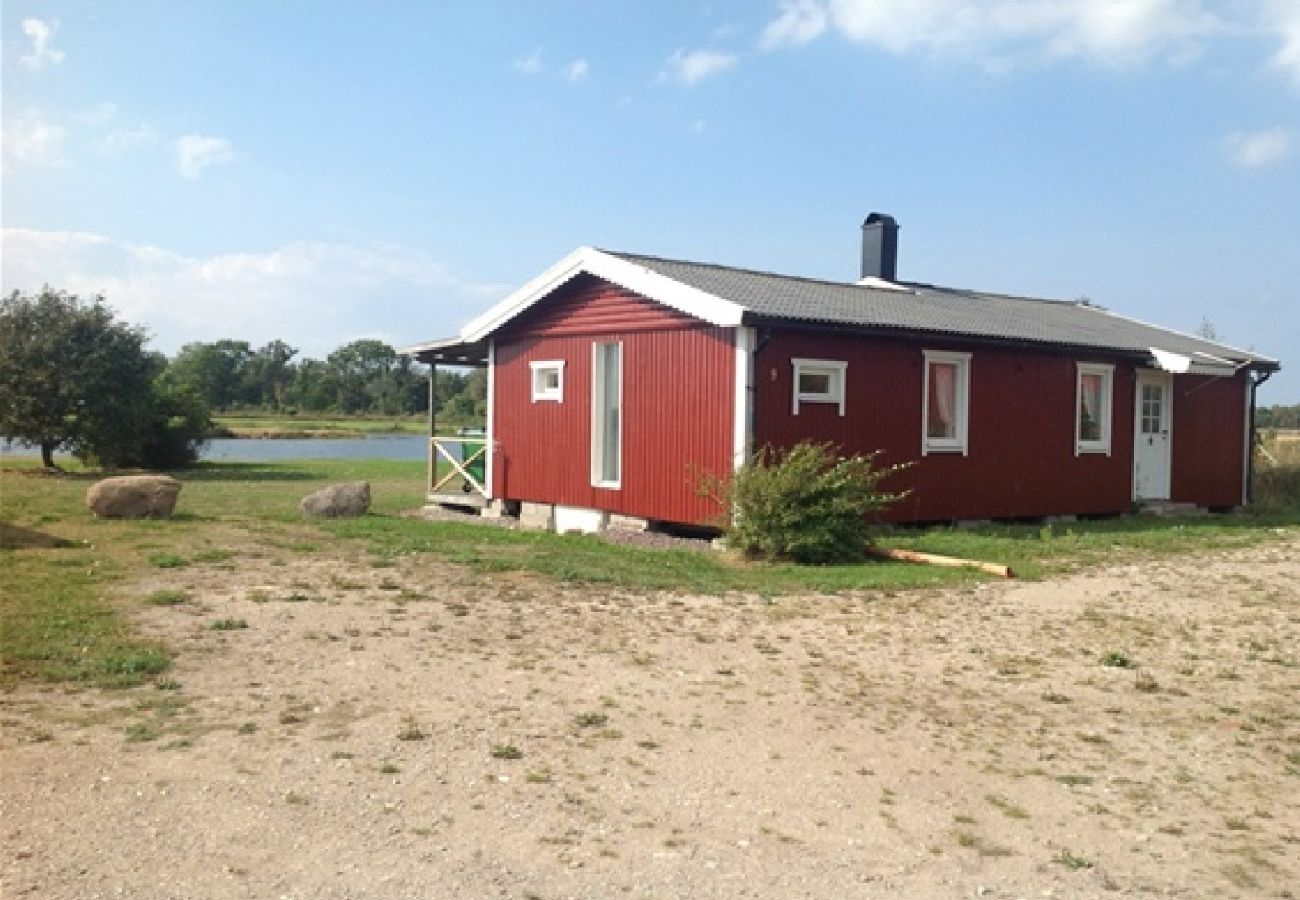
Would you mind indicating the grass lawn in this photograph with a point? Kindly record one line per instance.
(67, 575)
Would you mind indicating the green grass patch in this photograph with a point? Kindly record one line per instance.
(56, 625)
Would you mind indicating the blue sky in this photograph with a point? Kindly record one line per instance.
(320, 171)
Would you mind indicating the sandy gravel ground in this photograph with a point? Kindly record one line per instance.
(416, 731)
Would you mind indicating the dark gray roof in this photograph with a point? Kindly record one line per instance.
(930, 309)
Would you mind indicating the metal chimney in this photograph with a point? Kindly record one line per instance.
(880, 247)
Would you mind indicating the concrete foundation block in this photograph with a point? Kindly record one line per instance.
(537, 516)
(620, 522)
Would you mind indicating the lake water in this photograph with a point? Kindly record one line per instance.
(380, 446)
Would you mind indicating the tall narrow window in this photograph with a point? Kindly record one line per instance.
(607, 415)
(1093, 408)
(946, 402)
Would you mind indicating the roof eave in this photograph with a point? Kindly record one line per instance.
(590, 261)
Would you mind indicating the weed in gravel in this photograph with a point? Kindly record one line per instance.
(1072, 861)
(410, 730)
(228, 625)
(167, 684)
(389, 768)
(168, 598)
(540, 776)
(246, 728)
(1116, 659)
(141, 732)
(1053, 697)
(216, 554)
(293, 798)
(507, 751)
(1072, 780)
(590, 719)
(167, 560)
(1006, 807)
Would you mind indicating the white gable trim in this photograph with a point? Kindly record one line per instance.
(588, 260)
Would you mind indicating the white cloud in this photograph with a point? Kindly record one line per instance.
(120, 140)
(42, 54)
(1112, 32)
(1284, 18)
(530, 64)
(689, 68)
(577, 70)
(1256, 149)
(800, 21)
(314, 295)
(31, 139)
(196, 152)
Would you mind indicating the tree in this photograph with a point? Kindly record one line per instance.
(73, 377)
(213, 371)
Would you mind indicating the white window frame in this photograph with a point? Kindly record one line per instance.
(598, 412)
(960, 443)
(1107, 373)
(542, 394)
(836, 369)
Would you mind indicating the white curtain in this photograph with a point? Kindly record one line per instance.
(943, 401)
(1090, 415)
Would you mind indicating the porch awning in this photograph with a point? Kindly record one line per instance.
(450, 352)
(1197, 363)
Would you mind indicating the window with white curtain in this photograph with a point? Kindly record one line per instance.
(1093, 404)
(945, 403)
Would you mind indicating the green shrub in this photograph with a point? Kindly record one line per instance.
(806, 504)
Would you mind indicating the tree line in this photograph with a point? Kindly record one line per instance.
(74, 377)
(1278, 416)
(364, 377)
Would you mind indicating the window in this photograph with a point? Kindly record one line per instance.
(606, 415)
(818, 381)
(1093, 408)
(548, 380)
(946, 402)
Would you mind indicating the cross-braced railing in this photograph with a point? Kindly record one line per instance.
(468, 459)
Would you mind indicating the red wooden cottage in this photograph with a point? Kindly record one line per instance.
(617, 380)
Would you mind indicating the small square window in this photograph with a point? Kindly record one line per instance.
(818, 381)
(548, 380)
(945, 403)
(1093, 390)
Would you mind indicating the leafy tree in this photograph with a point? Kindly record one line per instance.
(73, 377)
(214, 371)
(266, 375)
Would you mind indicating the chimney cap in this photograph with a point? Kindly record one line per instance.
(879, 217)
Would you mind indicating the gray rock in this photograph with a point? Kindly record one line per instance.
(133, 497)
(337, 501)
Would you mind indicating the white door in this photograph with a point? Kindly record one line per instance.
(1151, 436)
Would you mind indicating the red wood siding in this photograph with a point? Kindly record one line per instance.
(677, 405)
(587, 305)
(1208, 439)
(1021, 458)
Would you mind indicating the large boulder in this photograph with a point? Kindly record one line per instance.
(133, 497)
(338, 501)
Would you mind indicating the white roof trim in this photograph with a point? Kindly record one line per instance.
(1179, 364)
(588, 260)
(1170, 361)
(875, 281)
